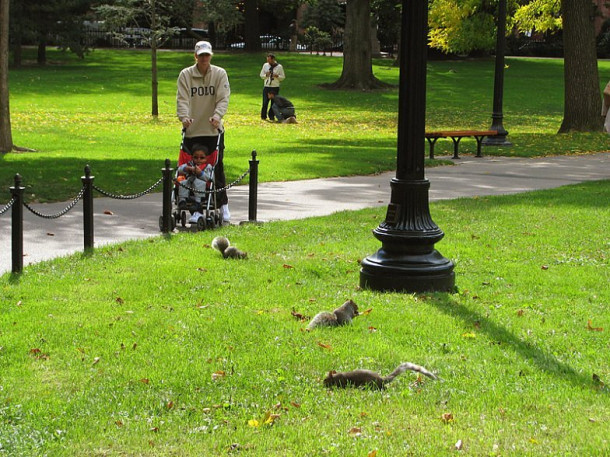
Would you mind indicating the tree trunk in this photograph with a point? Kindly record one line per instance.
(41, 56)
(153, 62)
(582, 102)
(6, 138)
(357, 59)
(252, 38)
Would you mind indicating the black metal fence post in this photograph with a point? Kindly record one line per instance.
(87, 181)
(166, 218)
(253, 200)
(17, 225)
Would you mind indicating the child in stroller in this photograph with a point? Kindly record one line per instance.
(195, 187)
(194, 176)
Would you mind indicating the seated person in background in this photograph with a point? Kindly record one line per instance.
(194, 174)
(283, 109)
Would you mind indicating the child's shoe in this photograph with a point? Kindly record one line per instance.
(195, 217)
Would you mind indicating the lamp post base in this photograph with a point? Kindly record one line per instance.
(498, 140)
(429, 272)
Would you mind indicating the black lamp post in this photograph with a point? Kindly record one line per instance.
(497, 116)
(407, 260)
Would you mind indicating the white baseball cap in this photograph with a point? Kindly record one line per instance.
(203, 47)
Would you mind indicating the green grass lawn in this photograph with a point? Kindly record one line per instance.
(161, 347)
(97, 111)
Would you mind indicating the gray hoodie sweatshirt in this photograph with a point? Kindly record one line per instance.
(201, 97)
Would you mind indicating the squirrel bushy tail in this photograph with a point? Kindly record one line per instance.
(407, 366)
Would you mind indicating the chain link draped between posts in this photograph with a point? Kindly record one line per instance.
(128, 197)
(59, 214)
(215, 191)
(7, 206)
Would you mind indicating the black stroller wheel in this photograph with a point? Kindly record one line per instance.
(201, 223)
(183, 218)
(211, 222)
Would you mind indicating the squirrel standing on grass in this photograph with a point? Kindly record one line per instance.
(223, 245)
(359, 378)
(341, 316)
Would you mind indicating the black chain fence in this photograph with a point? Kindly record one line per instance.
(215, 191)
(71, 205)
(7, 206)
(166, 224)
(128, 197)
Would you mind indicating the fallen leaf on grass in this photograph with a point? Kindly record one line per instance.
(19, 303)
(545, 267)
(372, 453)
(366, 312)
(287, 266)
(594, 329)
(253, 423)
(295, 404)
(299, 316)
(145, 381)
(597, 380)
(325, 346)
(96, 361)
(119, 300)
(355, 431)
(170, 404)
(270, 419)
(447, 417)
(119, 423)
(520, 313)
(218, 374)
(372, 329)
(469, 335)
(458, 445)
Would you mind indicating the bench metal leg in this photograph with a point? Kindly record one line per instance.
(456, 143)
(432, 141)
(479, 139)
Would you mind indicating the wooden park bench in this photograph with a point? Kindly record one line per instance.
(456, 136)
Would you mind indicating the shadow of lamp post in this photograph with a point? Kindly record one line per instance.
(407, 260)
(497, 116)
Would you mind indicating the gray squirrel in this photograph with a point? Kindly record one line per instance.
(360, 378)
(223, 245)
(341, 316)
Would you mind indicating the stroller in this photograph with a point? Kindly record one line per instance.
(211, 214)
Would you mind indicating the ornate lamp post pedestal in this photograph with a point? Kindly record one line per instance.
(407, 260)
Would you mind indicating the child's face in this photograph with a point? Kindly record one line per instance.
(199, 157)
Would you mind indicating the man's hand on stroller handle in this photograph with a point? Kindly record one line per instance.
(186, 123)
(215, 122)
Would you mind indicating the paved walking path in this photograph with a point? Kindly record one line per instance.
(121, 220)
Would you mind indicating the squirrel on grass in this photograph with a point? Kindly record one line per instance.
(223, 245)
(368, 378)
(341, 316)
